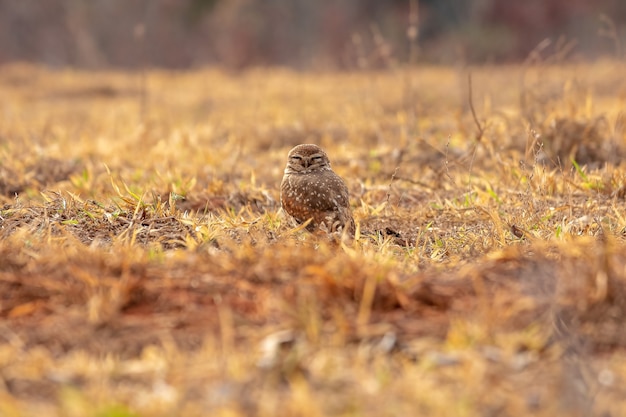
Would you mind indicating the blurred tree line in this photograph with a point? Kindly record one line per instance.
(302, 33)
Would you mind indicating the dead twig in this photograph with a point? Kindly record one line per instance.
(481, 129)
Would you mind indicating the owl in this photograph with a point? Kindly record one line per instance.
(311, 190)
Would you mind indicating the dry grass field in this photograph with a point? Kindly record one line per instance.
(146, 268)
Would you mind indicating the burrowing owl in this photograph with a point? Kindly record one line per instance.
(311, 190)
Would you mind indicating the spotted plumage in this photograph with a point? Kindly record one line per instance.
(311, 190)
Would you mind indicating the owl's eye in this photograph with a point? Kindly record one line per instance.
(296, 158)
(317, 159)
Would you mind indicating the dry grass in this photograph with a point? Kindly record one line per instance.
(146, 270)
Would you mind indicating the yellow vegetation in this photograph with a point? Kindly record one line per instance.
(146, 269)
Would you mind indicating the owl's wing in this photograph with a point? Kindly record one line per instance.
(330, 193)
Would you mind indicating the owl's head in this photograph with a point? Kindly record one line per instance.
(306, 158)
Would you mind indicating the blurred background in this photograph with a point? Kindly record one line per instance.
(304, 34)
